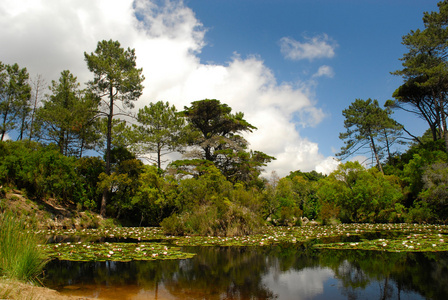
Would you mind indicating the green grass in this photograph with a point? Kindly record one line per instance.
(21, 256)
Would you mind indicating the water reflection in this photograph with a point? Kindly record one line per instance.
(277, 272)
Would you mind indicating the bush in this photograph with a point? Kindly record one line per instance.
(20, 255)
(419, 213)
(234, 220)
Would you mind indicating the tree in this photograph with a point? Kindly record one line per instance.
(123, 182)
(414, 98)
(67, 115)
(217, 136)
(391, 133)
(364, 120)
(425, 66)
(217, 126)
(161, 131)
(37, 85)
(15, 93)
(361, 195)
(435, 191)
(116, 78)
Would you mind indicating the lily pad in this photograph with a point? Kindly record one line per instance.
(114, 251)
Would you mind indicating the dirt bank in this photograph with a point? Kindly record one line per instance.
(12, 289)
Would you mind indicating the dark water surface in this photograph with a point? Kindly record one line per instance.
(290, 271)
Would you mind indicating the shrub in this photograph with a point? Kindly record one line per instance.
(419, 213)
(231, 220)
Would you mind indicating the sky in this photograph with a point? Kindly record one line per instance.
(291, 66)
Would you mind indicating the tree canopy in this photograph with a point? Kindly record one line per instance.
(217, 138)
(425, 71)
(161, 130)
(365, 122)
(15, 94)
(67, 116)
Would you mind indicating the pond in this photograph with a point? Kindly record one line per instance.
(277, 271)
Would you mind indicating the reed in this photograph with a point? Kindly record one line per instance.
(20, 255)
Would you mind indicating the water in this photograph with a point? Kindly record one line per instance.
(290, 271)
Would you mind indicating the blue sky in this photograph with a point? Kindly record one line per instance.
(366, 34)
(291, 66)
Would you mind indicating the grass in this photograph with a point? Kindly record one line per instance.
(21, 256)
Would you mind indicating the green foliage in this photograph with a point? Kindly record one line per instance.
(67, 116)
(420, 212)
(209, 204)
(156, 197)
(435, 193)
(361, 195)
(20, 255)
(367, 124)
(15, 93)
(229, 220)
(288, 199)
(309, 176)
(123, 182)
(161, 131)
(425, 71)
(88, 170)
(208, 188)
(44, 172)
(216, 134)
(116, 78)
(413, 171)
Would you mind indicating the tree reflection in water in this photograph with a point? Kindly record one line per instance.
(290, 271)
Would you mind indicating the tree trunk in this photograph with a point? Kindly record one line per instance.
(388, 147)
(37, 85)
(5, 117)
(159, 161)
(108, 149)
(443, 117)
(375, 152)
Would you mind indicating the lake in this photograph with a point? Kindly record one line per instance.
(280, 271)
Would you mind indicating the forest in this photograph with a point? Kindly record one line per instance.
(89, 149)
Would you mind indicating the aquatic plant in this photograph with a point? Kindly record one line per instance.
(114, 251)
(150, 243)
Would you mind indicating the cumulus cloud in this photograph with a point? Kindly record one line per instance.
(327, 165)
(50, 36)
(315, 47)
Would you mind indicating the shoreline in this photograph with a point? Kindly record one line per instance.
(14, 289)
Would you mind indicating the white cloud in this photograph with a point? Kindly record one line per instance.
(316, 47)
(324, 71)
(6, 137)
(50, 36)
(304, 284)
(363, 160)
(327, 165)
